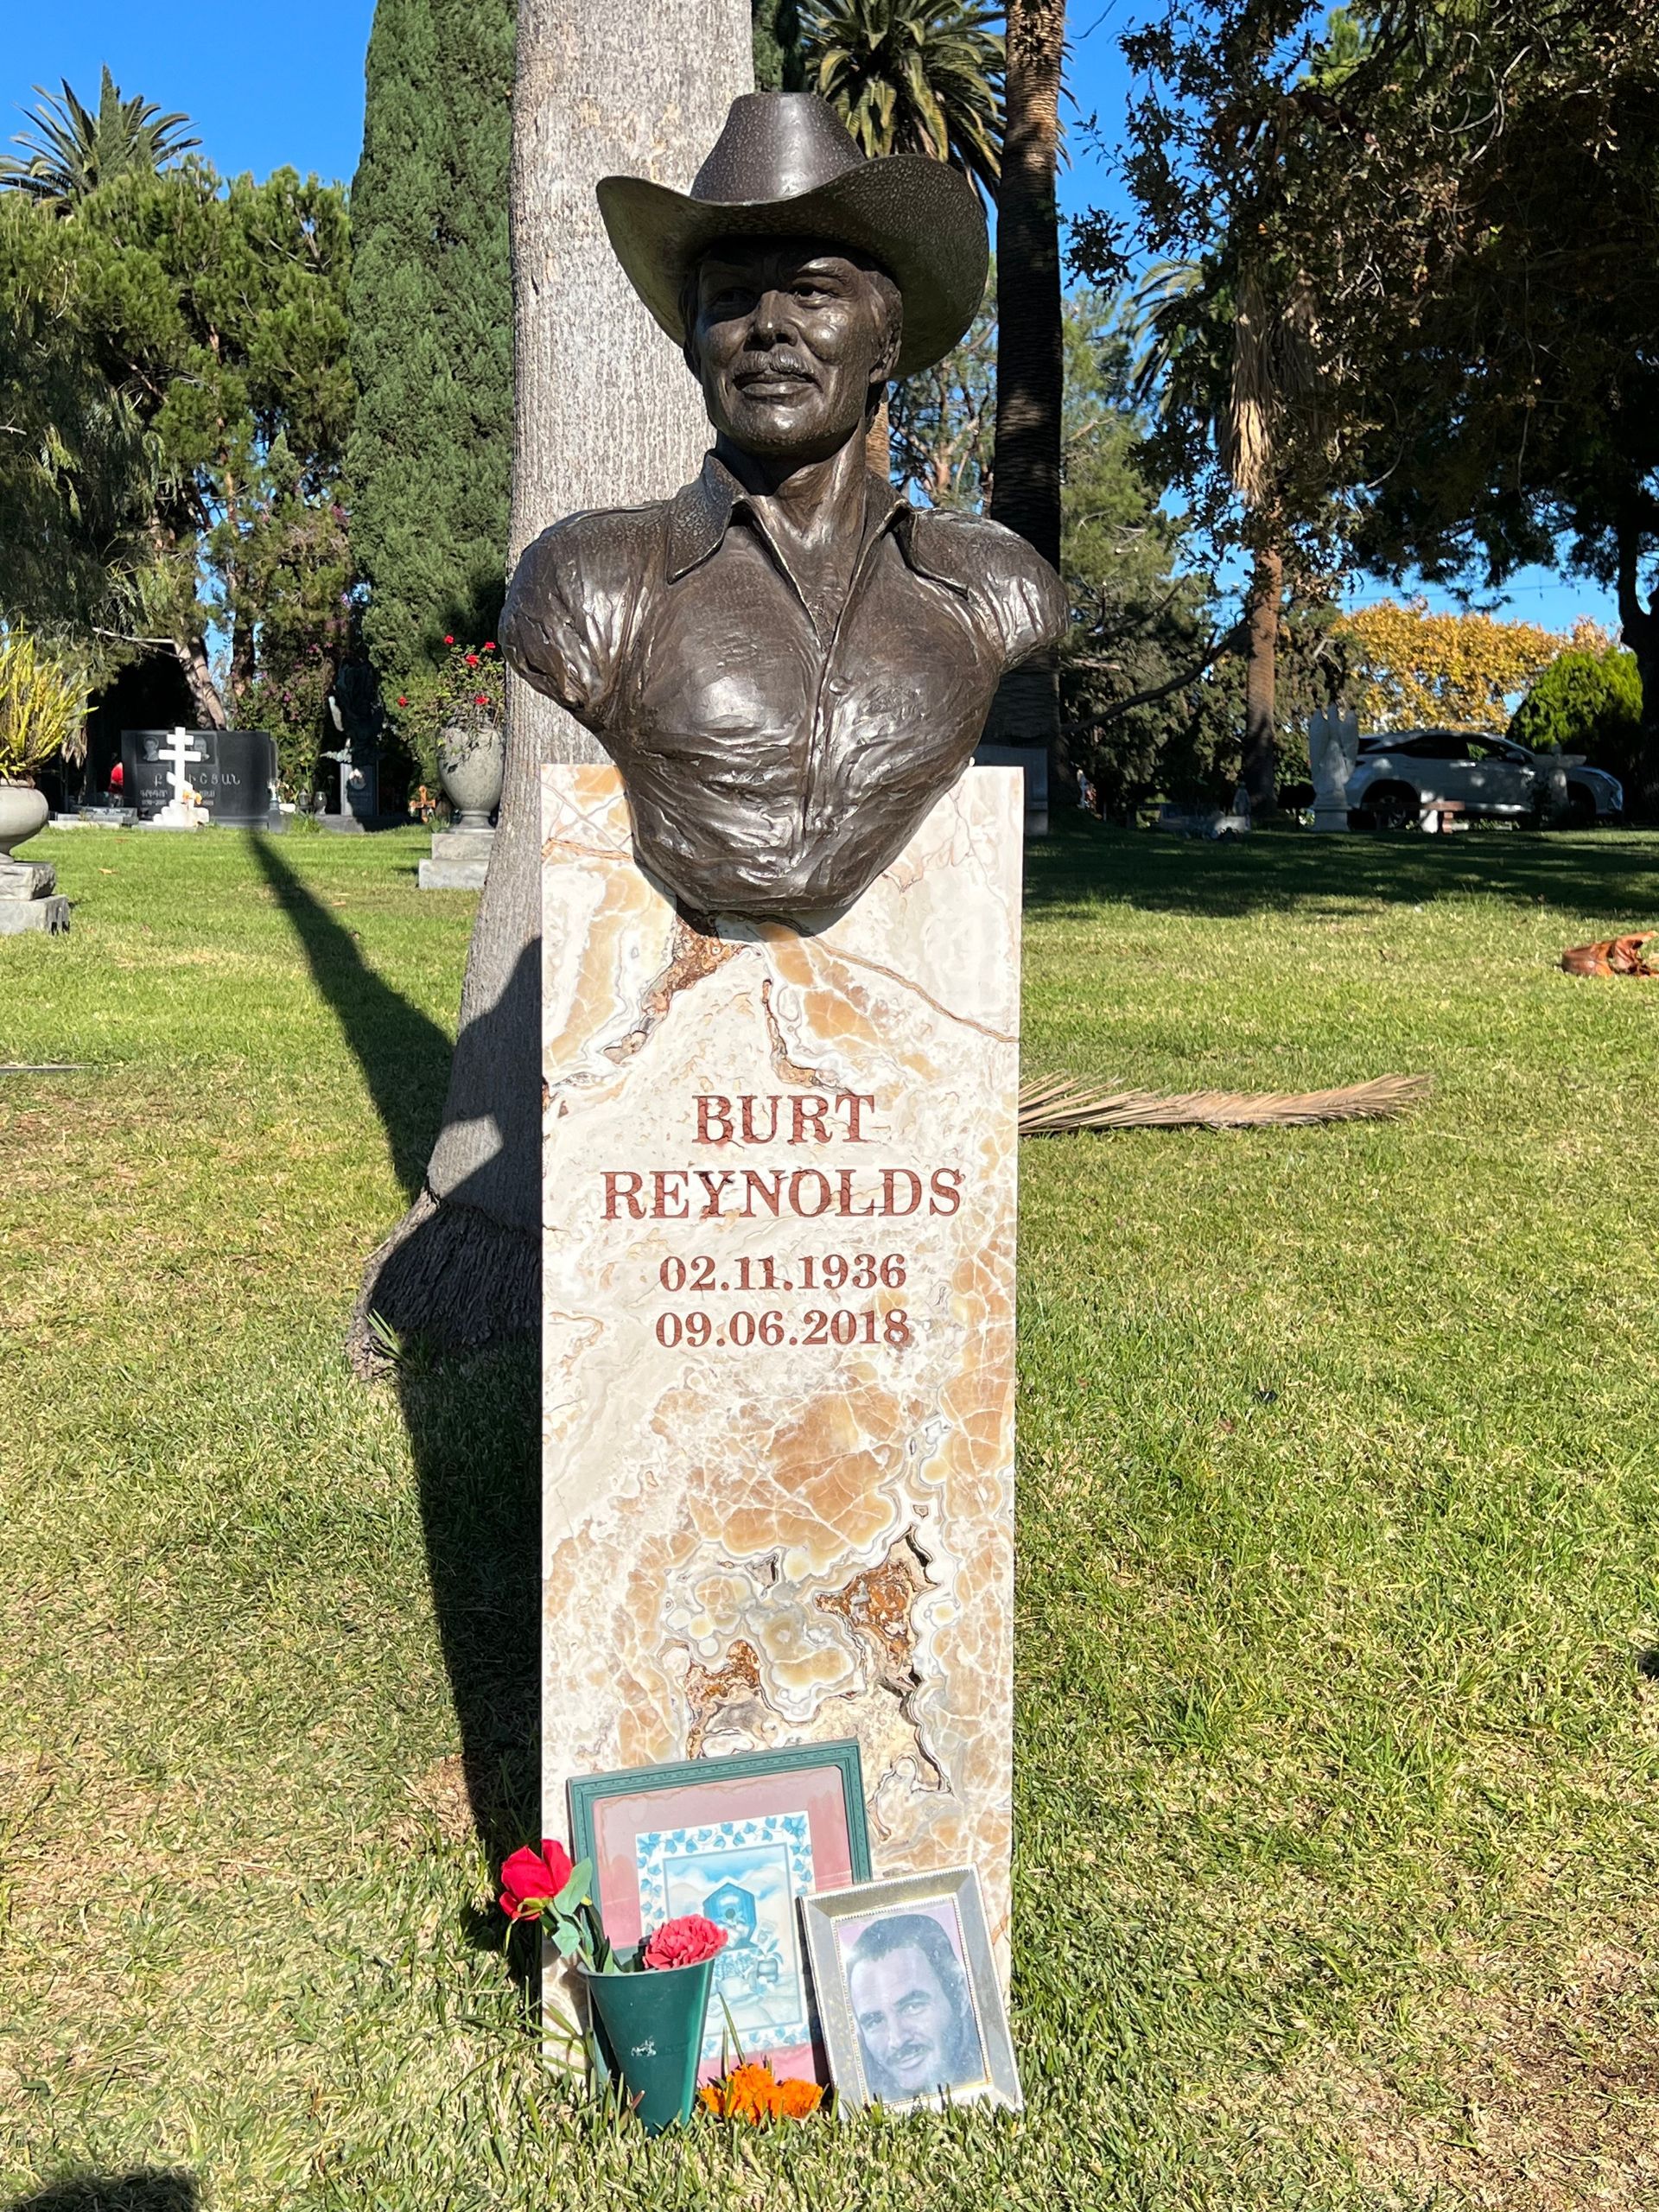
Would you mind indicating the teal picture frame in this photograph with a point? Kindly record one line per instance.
(764, 1829)
(583, 1792)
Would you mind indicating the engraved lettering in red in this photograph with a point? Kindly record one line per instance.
(844, 1204)
(751, 1133)
(796, 1201)
(808, 1112)
(664, 1205)
(621, 1187)
(714, 1184)
(853, 1100)
(714, 1119)
(946, 1190)
(889, 1189)
(754, 1186)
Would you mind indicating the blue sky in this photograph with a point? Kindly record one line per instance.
(267, 84)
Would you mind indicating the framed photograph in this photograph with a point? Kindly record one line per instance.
(907, 1995)
(741, 1840)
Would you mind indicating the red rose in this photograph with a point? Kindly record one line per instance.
(482, 699)
(530, 1879)
(471, 660)
(490, 648)
(401, 700)
(685, 1943)
(448, 639)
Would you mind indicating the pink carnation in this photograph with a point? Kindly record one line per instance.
(686, 1942)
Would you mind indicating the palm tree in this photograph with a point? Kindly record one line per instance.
(1204, 324)
(912, 77)
(77, 150)
(1030, 359)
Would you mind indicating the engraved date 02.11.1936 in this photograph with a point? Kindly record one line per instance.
(702, 1275)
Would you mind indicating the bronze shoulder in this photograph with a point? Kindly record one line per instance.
(996, 568)
(571, 601)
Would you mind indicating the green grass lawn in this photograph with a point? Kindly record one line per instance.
(1339, 1659)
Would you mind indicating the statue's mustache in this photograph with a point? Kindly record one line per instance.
(776, 364)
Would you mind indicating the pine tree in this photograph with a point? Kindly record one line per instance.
(432, 326)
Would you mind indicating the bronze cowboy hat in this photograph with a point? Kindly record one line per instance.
(785, 166)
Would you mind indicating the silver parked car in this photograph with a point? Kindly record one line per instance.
(1401, 772)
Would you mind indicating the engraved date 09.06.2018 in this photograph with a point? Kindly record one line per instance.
(808, 1271)
(839, 1325)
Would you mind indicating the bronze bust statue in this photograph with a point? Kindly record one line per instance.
(788, 661)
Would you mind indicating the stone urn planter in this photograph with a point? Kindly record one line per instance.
(23, 810)
(471, 764)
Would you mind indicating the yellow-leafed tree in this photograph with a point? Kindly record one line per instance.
(1422, 671)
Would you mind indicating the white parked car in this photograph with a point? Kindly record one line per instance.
(1403, 772)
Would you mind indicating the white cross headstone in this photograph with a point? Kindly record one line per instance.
(180, 813)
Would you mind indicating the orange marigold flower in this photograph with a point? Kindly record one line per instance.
(797, 2100)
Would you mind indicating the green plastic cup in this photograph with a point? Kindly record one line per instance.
(650, 2031)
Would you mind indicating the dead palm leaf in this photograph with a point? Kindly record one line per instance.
(1053, 1104)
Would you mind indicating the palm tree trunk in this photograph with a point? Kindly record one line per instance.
(1640, 627)
(605, 415)
(1026, 488)
(1262, 605)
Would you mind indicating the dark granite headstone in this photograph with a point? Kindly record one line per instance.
(234, 776)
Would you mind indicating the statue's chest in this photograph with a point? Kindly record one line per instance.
(727, 665)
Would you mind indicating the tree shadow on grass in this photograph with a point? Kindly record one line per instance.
(403, 1053)
(473, 1423)
(147, 2190)
(1611, 874)
(475, 1427)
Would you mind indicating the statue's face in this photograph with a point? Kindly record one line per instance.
(788, 339)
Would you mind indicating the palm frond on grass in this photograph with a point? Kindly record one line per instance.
(1051, 1105)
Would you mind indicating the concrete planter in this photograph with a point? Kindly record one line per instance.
(471, 764)
(23, 811)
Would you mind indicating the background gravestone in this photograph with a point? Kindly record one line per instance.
(234, 776)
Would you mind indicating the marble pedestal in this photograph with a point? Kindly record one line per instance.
(30, 898)
(778, 1201)
(459, 861)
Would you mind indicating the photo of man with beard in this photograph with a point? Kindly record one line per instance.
(909, 1999)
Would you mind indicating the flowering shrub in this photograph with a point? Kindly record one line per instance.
(465, 691)
(749, 2093)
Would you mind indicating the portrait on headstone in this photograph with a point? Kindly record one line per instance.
(907, 1994)
(788, 661)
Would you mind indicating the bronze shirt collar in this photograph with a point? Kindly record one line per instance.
(701, 512)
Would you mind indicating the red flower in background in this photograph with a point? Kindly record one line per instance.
(490, 648)
(482, 699)
(448, 639)
(401, 700)
(686, 1942)
(530, 1879)
(471, 660)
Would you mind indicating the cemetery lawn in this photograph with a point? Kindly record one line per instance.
(1338, 1660)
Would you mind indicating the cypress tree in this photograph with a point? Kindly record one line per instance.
(779, 64)
(431, 446)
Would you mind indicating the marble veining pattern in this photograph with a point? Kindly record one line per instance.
(750, 1537)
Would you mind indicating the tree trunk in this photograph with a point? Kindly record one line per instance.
(199, 674)
(878, 443)
(1030, 354)
(605, 414)
(1640, 627)
(1262, 621)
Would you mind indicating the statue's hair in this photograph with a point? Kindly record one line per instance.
(887, 291)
